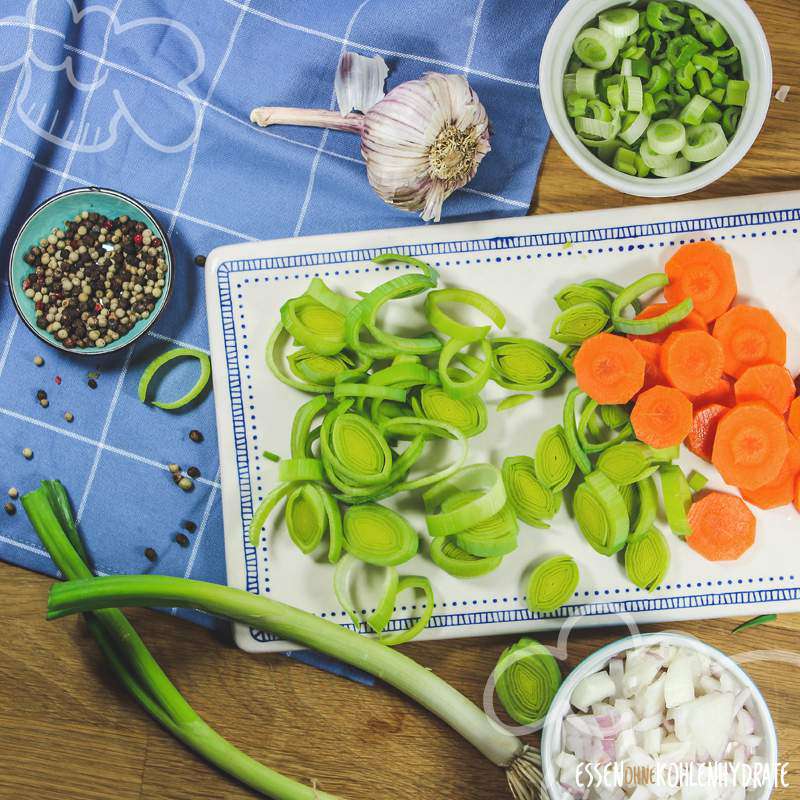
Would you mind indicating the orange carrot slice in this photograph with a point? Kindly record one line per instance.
(692, 361)
(662, 417)
(694, 322)
(794, 417)
(704, 429)
(750, 446)
(723, 527)
(704, 272)
(609, 369)
(722, 393)
(651, 353)
(750, 336)
(797, 494)
(771, 383)
(779, 492)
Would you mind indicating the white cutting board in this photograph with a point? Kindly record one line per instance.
(520, 263)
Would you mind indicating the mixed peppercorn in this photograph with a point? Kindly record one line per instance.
(93, 280)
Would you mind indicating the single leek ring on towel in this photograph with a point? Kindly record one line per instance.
(448, 556)
(552, 584)
(155, 365)
(524, 365)
(532, 502)
(647, 560)
(526, 680)
(453, 329)
(492, 537)
(627, 462)
(579, 322)
(514, 400)
(379, 536)
(483, 479)
(677, 499)
(467, 414)
(553, 463)
(601, 514)
(647, 327)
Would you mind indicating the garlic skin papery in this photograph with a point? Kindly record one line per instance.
(420, 142)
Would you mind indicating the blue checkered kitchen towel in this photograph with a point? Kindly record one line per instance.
(152, 97)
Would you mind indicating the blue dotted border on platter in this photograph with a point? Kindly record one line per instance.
(568, 242)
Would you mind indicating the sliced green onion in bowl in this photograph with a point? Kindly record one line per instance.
(666, 136)
(678, 167)
(704, 143)
(596, 48)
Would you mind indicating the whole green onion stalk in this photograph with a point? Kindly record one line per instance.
(49, 512)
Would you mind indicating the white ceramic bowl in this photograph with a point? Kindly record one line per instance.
(551, 732)
(746, 33)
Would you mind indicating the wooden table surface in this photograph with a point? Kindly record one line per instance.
(68, 732)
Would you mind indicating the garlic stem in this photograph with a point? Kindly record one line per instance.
(308, 117)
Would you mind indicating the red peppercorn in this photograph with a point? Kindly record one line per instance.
(58, 380)
(39, 305)
(137, 239)
(97, 308)
(26, 284)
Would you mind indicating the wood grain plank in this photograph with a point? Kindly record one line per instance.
(68, 731)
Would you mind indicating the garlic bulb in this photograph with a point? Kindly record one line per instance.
(421, 141)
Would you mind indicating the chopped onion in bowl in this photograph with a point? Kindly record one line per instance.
(657, 706)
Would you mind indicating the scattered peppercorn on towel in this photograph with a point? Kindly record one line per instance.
(152, 97)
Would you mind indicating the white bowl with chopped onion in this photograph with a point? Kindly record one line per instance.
(745, 33)
(660, 701)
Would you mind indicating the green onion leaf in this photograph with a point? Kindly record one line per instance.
(158, 362)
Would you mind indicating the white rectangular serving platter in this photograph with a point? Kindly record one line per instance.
(520, 263)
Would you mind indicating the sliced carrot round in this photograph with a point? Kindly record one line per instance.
(750, 336)
(694, 322)
(723, 527)
(651, 353)
(662, 417)
(771, 383)
(609, 369)
(797, 494)
(794, 417)
(750, 446)
(692, 361)
(779, 492)
(722, 393)
(704, 429)
(704, 272)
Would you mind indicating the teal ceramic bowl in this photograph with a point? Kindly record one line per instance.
(51, 214)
